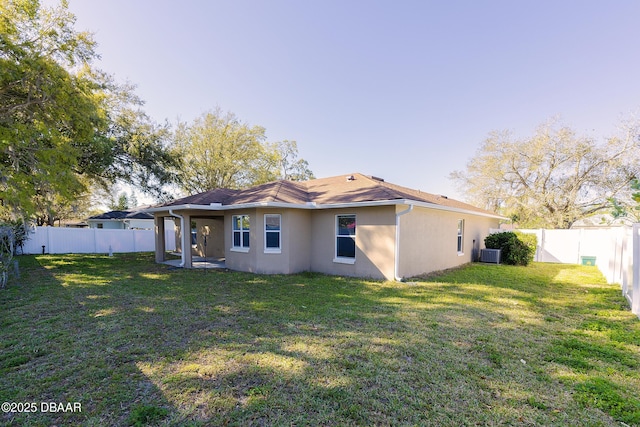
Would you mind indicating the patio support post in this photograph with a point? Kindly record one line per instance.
(186, 241)
(160, 243)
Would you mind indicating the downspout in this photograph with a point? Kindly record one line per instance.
(397, 254)
(182, 260)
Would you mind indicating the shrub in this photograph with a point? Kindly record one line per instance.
(515, 248)
(143, 415)
(531, 240)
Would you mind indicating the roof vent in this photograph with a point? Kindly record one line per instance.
(443, 196)
(377, 178)
(351, 178)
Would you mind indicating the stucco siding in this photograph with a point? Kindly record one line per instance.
(272, 262)
(294, 254)
(297, 239)
(236, 259)
(428, 240)
(375, 234)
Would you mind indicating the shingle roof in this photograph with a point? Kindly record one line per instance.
(123, 215)
(351, 188)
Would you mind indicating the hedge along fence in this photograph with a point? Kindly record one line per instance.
(57, 240)
(515, 248)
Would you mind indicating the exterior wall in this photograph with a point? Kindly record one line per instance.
(120, 224)
(297, 238)
(375, 236)
(294, 243)
(141, 224)
(308, 243)
(428, 240)
(107, 224)
(237, 259)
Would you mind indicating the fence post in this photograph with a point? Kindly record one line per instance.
(635, 292)
(49, 239)
(623, 259)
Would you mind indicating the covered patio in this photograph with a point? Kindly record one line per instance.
(199, 239)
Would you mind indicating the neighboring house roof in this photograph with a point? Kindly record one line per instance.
(122, 215)
(353, 189)
(139, 215)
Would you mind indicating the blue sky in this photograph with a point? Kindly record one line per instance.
(404, 90)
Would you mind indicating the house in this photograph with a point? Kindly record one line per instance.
(351, 225)
(122, 220)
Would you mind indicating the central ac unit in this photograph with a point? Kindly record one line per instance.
(490, 255)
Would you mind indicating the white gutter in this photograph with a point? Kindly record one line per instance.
(182, 230)
(396, 265)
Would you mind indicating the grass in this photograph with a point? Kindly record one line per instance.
(139, 344)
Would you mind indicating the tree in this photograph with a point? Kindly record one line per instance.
(550, 179)
(219, 151)
(631, 211)
(64, 124)
(51, 206)
(124, 202)
(289, 166)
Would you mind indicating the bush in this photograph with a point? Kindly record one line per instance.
(515, 248)
(143, 415)
(531, 240)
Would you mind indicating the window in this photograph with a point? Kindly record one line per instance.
(241, 231)
(100, 225)
(272, 233)
(460, 234)
(346, 237)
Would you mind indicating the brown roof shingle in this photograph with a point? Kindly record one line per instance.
(351, 188)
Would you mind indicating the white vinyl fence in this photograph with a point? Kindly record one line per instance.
(614, 250)
(58, 240)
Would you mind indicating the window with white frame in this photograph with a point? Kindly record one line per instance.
(346, 237)
(241, 225)
(272, 231)
(460, 235)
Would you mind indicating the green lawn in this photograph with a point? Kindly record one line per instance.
(136, 343)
